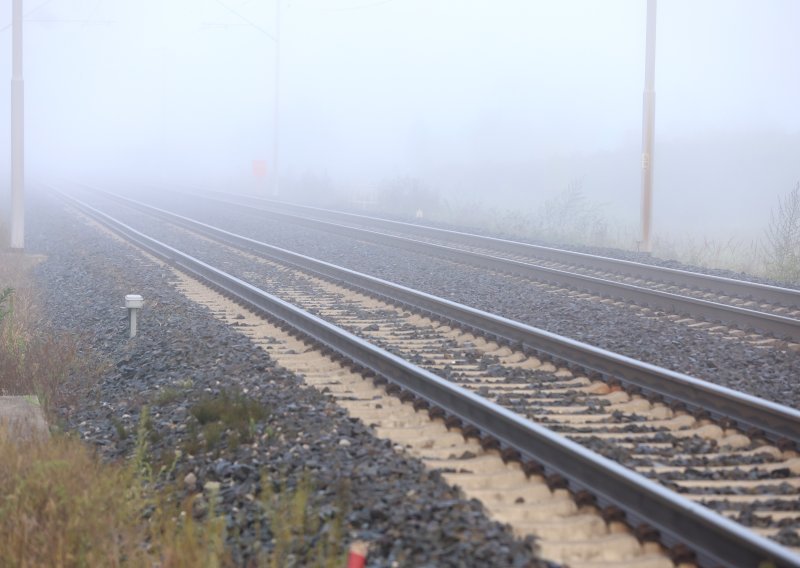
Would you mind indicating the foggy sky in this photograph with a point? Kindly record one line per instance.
(510, 98)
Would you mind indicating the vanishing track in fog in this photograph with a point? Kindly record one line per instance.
(695, 442)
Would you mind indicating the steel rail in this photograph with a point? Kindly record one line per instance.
(766, 293)
(714, 539)
(779, 326)
(750, 413)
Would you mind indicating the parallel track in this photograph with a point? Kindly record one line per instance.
(499, 426)
(749, 413)
(747, 306)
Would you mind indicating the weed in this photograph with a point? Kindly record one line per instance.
(5, 302)
(122, 433)
(299, 529)
(185, 542)
(782, 250)
(31, 361)
(212, 432)
(233, 411)
(191, 443)
(168, 395)
(140, 458)
(62, 507)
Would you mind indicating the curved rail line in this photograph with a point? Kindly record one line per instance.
(745, 318)
(715, 539)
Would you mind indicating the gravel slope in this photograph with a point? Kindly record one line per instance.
(410, 517)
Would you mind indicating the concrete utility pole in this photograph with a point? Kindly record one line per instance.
(648, 129)
(17, 132)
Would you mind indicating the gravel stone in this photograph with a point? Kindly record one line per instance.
(183, 355)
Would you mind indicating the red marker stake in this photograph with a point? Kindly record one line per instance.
(358, 554)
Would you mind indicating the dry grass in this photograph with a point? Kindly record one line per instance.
(782, 248)
(33, 361)
(731, 254)
(62, 506)
(571, 218)
(300, 532)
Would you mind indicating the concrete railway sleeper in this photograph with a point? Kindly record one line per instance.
(531, 387)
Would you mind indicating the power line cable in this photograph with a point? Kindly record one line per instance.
(362, 6)
(33, 11)
(252, 23)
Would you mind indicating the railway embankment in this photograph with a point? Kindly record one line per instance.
(211, 414)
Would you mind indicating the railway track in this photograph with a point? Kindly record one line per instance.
(744, 309)
(555, 382)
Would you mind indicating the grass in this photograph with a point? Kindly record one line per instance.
(229, 413)
(300, 532)
(33, 361)
(570, 218)
(62, 506)
(168, 395)
(782, 249)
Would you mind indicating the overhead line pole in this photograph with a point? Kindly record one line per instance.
(648, 129)
(17, 228)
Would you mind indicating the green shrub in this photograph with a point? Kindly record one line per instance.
(782, 250)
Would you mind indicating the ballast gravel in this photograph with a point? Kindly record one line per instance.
(766, 372)
(182, 355)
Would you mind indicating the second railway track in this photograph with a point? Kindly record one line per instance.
(753, 478)
(738, 307)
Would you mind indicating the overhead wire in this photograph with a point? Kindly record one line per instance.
(252, 23)
(29, 12)
(362, 6)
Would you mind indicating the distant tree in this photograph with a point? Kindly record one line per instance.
(571, 217)
(782, 251)
(314, 188)
(406, 196)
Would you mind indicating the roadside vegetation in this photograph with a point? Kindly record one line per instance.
(572, 218)
(61, 504)
(33, 362)
(783, 239)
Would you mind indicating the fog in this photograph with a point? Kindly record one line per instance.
(503, 102)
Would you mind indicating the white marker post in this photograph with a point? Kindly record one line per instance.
(134, 303)
(648, 129)
(17, 240)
